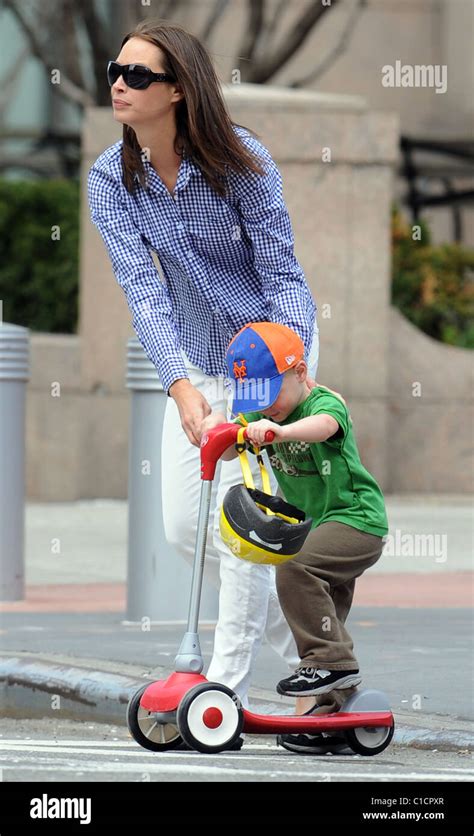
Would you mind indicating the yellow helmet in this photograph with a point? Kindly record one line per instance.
(257, 526)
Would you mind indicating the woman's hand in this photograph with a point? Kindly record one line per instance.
(213, 420)
(256, 431)
(193, 408)
(313, 384)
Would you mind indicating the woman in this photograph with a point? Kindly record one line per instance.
(204, 195)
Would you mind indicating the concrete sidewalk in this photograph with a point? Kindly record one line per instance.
(76, 556)
(93, 538)
(411, 622)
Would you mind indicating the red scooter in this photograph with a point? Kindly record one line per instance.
(208, 716)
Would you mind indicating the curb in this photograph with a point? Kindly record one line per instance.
(33, 689)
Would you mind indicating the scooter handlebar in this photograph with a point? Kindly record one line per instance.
(216, 441)
(269, 436)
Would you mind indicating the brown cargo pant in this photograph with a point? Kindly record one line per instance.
(316, 590)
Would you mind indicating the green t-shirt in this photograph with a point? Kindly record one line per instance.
(327, 480)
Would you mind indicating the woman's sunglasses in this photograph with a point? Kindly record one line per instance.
(135, 76)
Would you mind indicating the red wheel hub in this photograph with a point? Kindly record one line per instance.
(212, 718)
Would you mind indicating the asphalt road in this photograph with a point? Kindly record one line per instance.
(52, 750)
(418, 657)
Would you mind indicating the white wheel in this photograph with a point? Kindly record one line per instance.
(367, 740)
(209, 717)
(146, 730)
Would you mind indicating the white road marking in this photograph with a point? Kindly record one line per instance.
(106, 747)
(173, 769)
(40, 755)
(25, 743)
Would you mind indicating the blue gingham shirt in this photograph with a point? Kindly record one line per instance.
(224, 261)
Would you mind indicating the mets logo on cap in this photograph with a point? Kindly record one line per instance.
(257, 358)
(239, 369)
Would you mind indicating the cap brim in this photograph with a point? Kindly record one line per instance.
(255, 395)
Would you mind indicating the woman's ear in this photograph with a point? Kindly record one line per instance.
(178, 93)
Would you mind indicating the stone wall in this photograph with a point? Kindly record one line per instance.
(340, 211)
(430, 440)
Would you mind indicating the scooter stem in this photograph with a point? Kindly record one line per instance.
(213, 444)
(189, 658)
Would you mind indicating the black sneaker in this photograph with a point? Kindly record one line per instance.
(315, 744)
(322, 743)
(308, 681)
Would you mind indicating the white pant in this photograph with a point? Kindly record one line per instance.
(248, 603)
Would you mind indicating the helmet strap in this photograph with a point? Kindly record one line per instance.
(245, 466)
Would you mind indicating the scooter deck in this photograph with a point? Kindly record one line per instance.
(164, 697)
(294, 724)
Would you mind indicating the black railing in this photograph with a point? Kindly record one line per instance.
(50, 153)
(430, 161)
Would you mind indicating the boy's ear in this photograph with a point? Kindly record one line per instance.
(301, 370)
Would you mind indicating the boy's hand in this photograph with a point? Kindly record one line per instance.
(256, 431)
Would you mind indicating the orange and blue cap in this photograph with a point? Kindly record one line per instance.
(257, 358)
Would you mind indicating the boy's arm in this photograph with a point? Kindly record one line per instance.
(314, 429)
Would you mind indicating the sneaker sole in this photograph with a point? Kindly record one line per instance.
(183, 747)
(336, 749)
(348, 682)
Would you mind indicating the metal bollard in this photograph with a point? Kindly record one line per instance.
(14, 372)
(159, 579)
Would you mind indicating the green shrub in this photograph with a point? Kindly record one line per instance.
(433, 286)
(39, 275)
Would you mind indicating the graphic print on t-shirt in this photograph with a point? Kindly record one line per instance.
(293, 458)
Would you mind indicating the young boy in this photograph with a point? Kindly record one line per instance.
(317, 465)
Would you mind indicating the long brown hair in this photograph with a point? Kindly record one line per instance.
(204, 127)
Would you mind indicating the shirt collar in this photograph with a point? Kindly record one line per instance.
(187, 169)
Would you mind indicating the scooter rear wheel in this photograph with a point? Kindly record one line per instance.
(210, 717)
(369, 740)
(147, 731)
(365, 740)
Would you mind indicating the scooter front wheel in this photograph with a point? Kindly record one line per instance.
(146, 730)
(210, 717)
(369, 740)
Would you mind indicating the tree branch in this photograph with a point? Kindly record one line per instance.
(66, 88)
(337, 50)
(11, 78)
(263, 70)
(99, 47)
(256, 17)
(168, 8)
(127, 16)
(270, 29)
(212, 20)
(70, 54)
